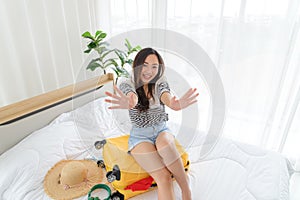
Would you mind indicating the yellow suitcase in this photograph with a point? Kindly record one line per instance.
(126, 171)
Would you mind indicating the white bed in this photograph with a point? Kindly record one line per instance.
(231, 171)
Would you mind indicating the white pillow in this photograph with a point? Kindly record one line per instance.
(95, 117)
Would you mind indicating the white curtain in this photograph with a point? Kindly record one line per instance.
(41, 45)
(255, 45)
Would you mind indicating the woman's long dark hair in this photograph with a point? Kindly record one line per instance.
(143, 101)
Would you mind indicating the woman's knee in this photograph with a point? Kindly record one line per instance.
(146, 155)
(164, 139)
(162, 177)
(166, 148)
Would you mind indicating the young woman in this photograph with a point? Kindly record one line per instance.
(151, 143)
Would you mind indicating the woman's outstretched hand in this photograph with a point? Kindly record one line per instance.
(186, 100)
(120, 100)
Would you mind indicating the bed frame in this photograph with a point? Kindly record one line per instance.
(20, 119)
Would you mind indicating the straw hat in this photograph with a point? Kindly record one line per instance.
(69, 179)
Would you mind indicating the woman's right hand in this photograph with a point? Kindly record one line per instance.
(120, 100)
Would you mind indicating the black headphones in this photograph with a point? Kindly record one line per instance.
(99, 186)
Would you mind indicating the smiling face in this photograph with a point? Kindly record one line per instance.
(149, 68)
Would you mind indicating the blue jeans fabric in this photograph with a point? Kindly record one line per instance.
(147, 134)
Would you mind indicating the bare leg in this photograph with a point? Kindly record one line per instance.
(147, 157)
(166, 148)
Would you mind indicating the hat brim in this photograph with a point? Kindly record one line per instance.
(57, 191)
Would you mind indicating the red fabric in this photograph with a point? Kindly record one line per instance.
(142, 184)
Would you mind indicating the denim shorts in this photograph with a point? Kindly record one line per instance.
(147, 134)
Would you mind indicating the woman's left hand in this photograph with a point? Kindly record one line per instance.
(186, 100)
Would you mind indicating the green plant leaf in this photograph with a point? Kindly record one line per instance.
(92, 45)
(116, 71)
(121, 55)
(129, 61)
(137, 48)
(87, 35)
(101, 50)
(102, 35)
(121, 71)
(88, 51)
(93, 65)
(128, 45)
(110, 61)
(98, 33)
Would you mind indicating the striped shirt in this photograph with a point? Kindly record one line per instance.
(156, 112)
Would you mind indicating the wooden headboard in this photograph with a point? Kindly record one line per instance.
(22, 118)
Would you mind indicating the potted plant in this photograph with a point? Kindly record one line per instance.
(104, 59)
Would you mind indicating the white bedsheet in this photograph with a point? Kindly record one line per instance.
(231, 171)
